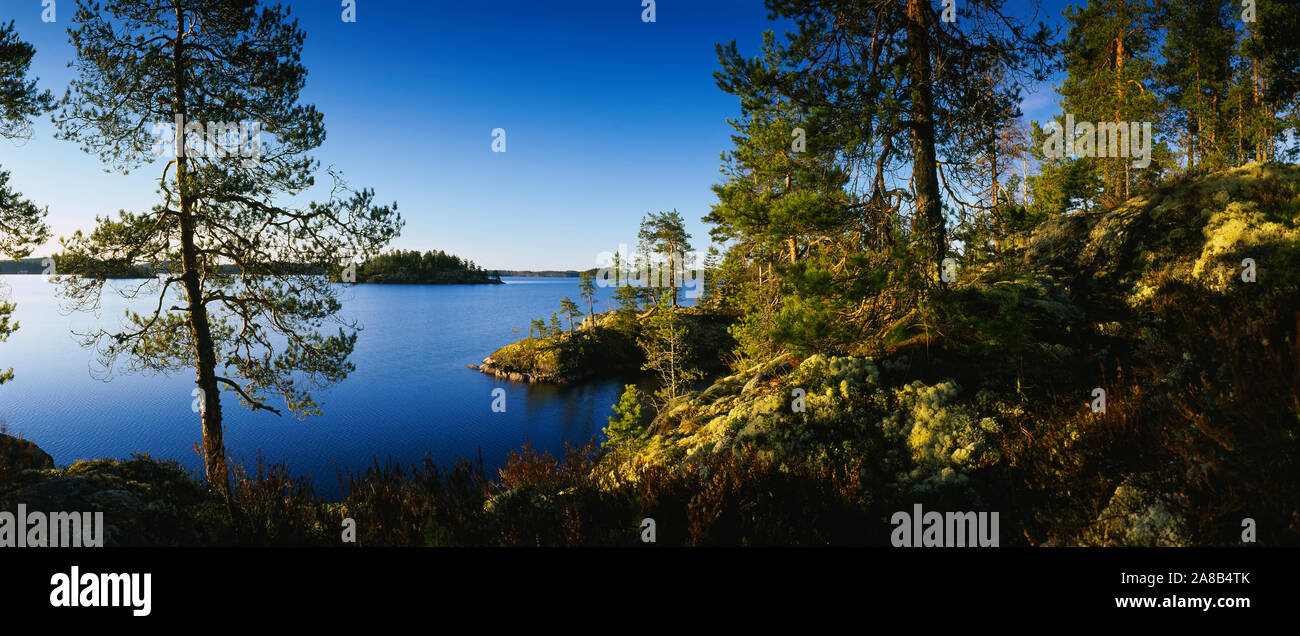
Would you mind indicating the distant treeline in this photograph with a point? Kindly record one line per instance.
(398, 267)
(548, 273)
(106, 269)
(120, 269)
(25, 266)
(429, 268)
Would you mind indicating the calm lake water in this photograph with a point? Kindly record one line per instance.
(410, 394)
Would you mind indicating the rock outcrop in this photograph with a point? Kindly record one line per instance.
(145, 502)
(604, 345)
(17, 455)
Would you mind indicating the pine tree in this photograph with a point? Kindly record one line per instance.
(1195, 76)
(1272, 54)
(712, 277)
(667, 352)
(588, 293)
(22, 223)
(883, 86)
(664, 234)
(1062, 184)
(624, 427)
(537, 325)
(1110, 60)
(886, 99)
(570, 310)
(241, 267)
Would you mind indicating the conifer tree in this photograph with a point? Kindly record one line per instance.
(1195, 75)
(667, 351)
(245, 291)
(22, 223)
(1272, 61)
(1109, 55)
(587, 290)
(887, 85)
(886, 98)
(625, 424)
(570, 310)
(664, 234)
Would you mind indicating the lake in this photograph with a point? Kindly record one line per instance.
(410, 393)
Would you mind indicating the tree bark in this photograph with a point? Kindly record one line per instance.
(214, 448)
(1121, 163)
(929, 205)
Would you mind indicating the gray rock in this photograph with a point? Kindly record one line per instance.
(117, 503)
(775, 367)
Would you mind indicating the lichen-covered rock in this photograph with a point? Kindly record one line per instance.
(794, 413)
(1116, 260)
(945, 439)
(1138, 517)
(145, 502)
(773, 368)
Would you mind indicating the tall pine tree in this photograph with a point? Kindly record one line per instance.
(245, 294)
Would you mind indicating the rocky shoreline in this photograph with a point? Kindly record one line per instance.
(489, 368)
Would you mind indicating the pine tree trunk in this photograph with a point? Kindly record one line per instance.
(929, 206)
(1200, 127)
(214, 447)
(1255, 85)
(1120, 194)
(1241, 158)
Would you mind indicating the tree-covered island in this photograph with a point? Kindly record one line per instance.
(410, 267)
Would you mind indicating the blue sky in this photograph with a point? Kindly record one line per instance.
(606, 118)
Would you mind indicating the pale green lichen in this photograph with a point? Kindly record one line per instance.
(1232, 233)
(1136, 517)
(945, 440)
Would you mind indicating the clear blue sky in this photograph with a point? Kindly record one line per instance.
(606, 118)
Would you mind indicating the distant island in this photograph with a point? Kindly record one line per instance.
(546, 273)
(24, 266)
(410, 267)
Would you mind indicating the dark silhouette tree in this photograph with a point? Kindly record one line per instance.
(242, 301)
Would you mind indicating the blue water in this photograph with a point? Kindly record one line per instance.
(410, 393)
